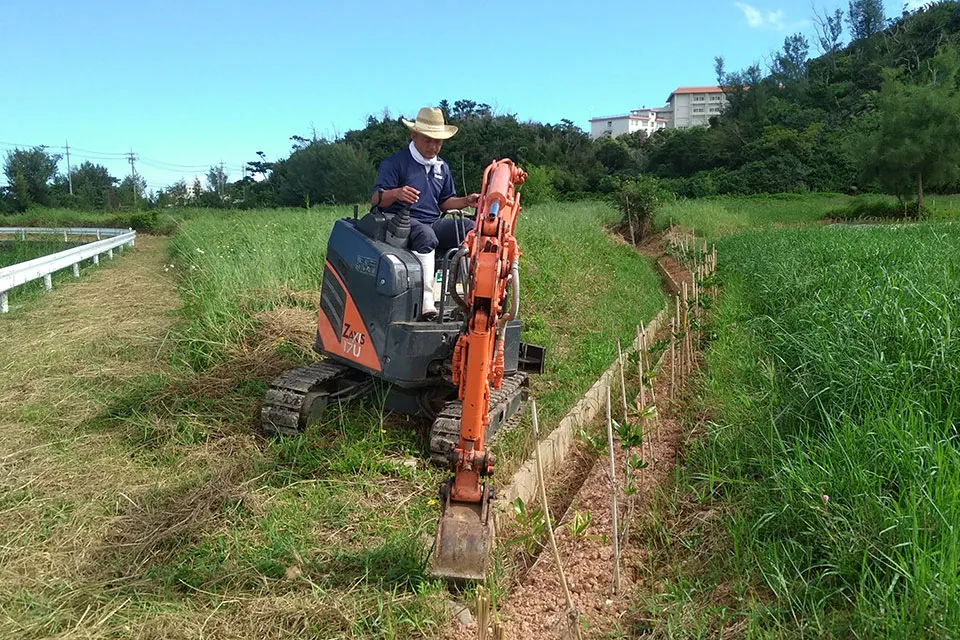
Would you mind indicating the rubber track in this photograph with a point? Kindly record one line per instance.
(505, 405)
(284, 399)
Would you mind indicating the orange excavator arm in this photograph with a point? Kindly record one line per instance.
(465, 530)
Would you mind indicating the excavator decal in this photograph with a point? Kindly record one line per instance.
(351, 340)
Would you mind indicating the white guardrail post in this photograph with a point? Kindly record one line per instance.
(44, 266)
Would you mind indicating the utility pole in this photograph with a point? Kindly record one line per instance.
(69, 177)
(222, 180)
(133, 176)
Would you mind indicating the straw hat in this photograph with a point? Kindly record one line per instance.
(430, 123)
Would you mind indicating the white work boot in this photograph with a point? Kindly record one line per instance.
(428, 266)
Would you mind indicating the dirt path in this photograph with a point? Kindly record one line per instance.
(536, 609)
(62, 359)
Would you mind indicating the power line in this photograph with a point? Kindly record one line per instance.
(103, 153)
(89, 154)
(18, 144)
(178, 166)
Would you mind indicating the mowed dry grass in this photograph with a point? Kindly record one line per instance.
(72, 496)
(60, 483)
(97, 497)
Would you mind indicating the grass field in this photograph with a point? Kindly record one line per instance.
(139, 484)
(723, 215)
(826, 485)
(720, 216)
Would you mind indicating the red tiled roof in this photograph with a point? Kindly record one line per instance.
(713, 89)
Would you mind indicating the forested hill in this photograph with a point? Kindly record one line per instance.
(815, 125)
(877, 111)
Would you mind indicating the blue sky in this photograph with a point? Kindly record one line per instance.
(190, 84)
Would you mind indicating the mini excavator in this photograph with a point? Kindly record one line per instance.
(466, 370)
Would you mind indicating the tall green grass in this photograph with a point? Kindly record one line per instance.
(723, 215)
(232, 265)
(15, 251)
(834, 387)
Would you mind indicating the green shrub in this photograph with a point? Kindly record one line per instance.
(539, 185)
(143, 220)
(637, 200)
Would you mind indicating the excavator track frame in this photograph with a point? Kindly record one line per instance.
(506, 405)
(296, 399)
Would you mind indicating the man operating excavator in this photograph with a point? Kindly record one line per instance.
(417, 177)
(466, 371)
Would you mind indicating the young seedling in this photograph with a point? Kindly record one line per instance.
(533, 525)
(594, 442)
(630, 436)
(579, 524)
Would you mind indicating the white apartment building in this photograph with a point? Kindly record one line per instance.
(646, 120)
(693, 106)
(686, 107)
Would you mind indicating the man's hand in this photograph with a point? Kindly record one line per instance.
(406, 194)
(472, 199)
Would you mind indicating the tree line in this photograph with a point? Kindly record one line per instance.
(879, 113)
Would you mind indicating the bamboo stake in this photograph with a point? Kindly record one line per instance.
(653, 406)
(678, 325)
(689, 331)
(623, 382)
(615, 531)
(642, 396)
(696, 312)
(673, 359)
(571, 610)
(483, 615)
(686, 329)
(643, 399)
(653, 397)
(643, 347)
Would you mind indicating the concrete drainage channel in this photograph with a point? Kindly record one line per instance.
(580, 581)
(555, 448)
(44, 267)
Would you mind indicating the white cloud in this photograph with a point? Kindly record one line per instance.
(916, 4)
(757, 19)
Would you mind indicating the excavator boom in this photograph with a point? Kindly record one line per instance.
(465, 530)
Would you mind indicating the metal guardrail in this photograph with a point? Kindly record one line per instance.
(42, 267)
(23, 232)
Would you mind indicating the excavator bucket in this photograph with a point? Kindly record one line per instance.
(464, 540)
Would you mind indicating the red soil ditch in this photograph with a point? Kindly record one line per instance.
(535, 607)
